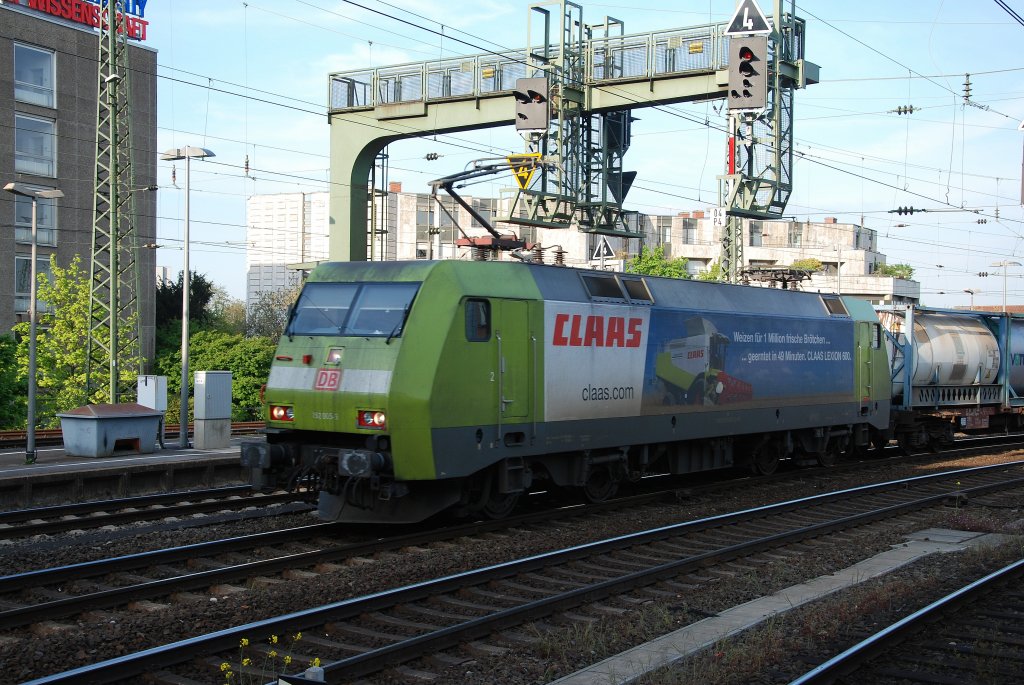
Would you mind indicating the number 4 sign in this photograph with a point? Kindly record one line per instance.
(748, 19)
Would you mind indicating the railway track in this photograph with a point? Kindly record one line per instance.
(54, 436)
(969, 636)
(21, 523)
(362, 635)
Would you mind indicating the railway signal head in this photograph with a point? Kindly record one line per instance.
(748, 72)
(533, 106)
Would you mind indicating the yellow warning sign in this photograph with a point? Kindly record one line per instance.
(523, 166)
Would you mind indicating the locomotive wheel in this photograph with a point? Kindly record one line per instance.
(765, 461)
(600, 485)
(499, 506)
(827, 457)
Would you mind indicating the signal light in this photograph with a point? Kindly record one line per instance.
(533, 106)
(748, 72)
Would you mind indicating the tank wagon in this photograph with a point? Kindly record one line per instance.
(957, 371)
(402, 389)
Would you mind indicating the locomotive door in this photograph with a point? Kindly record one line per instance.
(512, 337)
(868, 341)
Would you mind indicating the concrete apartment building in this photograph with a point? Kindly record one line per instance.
(48, 89)
(413, 226)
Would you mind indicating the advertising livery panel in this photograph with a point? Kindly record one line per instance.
(608, 361)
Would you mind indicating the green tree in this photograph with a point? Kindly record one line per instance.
(13, 386)
(654, 263)
(712, 273)
(200, 294)
(810, 264)
(269, 313)
(226, 313)
(247, 358)
(62, 337)
(904, 271)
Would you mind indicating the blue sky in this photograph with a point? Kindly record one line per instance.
(250, 78)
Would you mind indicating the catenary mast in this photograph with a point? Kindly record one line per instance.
(113, 301)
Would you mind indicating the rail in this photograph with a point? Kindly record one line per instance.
(874, 502)
(54, 436)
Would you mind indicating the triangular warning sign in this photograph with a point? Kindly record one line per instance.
(748, 19)
(604, 250)
(523, 175)
(523, 166)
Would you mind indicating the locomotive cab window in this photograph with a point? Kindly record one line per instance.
(369, 309)
(478, 320)
(835, 306)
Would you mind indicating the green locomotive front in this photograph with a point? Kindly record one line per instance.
(403, 389)
(383, 381)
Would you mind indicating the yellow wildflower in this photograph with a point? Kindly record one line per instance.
(287, 660)
(246, 661)
(315, 661)
(225, 666)
(273, 639)
(272, 654)
(244, 642)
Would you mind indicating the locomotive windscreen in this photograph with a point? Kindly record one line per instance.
(353, 309)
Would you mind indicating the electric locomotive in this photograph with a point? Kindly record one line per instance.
(404, 389)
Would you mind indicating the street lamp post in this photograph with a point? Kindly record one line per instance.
(34, 194)
(1005, 263)
(186, 153)
(972, 292)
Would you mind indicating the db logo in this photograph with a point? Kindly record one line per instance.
(327, 379)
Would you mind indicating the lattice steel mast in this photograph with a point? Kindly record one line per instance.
(113, 303)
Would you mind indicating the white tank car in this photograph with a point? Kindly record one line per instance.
(949, 349)
(1016, 356)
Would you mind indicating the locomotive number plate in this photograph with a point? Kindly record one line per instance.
(327, 379)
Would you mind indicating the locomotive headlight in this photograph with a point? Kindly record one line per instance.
(376, 420)
(334, 356)
(279, 412)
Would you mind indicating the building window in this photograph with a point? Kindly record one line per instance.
(33, 75)
(23, 282)
(45, 220)
(35, 150)
(689, 231)
(664, 228)
(796, 234)
(755, 234)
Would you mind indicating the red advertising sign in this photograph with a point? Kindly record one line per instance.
(94, 13)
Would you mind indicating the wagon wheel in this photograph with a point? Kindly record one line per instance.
(499, 505)
(828, 456)
(600, 485)
(765, 460)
